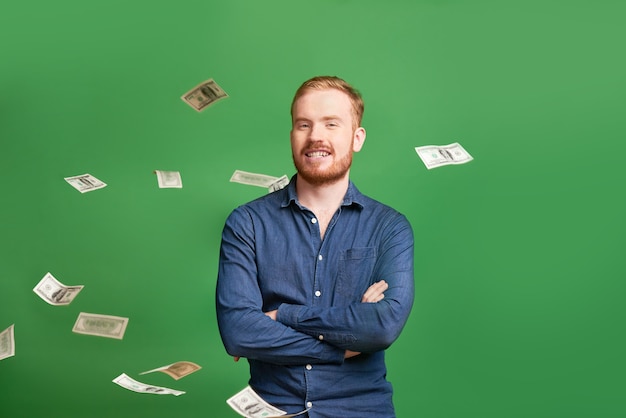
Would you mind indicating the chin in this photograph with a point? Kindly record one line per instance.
(322, 178)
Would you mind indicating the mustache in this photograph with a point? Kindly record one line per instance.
(318, 146)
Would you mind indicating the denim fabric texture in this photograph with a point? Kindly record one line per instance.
(272, 257)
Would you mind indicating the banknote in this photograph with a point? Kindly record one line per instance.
(85, 183)
(439, 155)
(248, 403)
(7, 342)
(176, 370)
(253, 179)
(55, 292)
(169, 179)
(203, 95)
(281, 183)
(131, 384)
(100, 325)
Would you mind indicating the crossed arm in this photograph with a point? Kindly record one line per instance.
(294, 334)
(373, 294)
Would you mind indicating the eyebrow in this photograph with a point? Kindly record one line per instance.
(324, 118)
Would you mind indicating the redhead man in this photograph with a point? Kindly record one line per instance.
(315, 280)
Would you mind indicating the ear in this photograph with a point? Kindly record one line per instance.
(359, 139)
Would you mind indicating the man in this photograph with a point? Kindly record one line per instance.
(315, 280)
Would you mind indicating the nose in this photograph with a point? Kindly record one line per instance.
(316, 133)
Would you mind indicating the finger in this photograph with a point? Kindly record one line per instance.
(236, 358)
(374, 292)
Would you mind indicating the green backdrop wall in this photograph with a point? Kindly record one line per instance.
(520, 270)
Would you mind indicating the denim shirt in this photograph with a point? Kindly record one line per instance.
(272, 256)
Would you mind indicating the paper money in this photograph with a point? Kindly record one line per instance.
(85, 183)
(177, 370)
(128, 383)
(248, 403)
(203, 95)
(281, 183)
(7, 343)
(436, 156)
(169, 179)
(55, 292)
(100, 325)
(254, 179)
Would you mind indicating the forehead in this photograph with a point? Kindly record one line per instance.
(322, 103)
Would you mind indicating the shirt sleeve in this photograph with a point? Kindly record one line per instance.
(366, 327)
(245, 330)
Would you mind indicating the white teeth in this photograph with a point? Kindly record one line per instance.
(317, 154)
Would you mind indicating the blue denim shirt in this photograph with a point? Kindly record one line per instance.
(272, 257)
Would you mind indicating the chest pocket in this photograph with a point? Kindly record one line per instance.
(356, 266)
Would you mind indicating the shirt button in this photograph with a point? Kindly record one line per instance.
(313, 220)
(309, 404)
(309, 367)
(318, 293)
(319, 257)
(321, 337)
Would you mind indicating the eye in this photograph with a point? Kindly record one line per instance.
(303, 125)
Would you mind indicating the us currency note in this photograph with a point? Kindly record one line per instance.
(7, 343)
(203, 95)
(176, 370)
(248, 403)
(439, 155)
(85, 183)
(54, 292)
(253, 179)
(131, 384)
(169, 179)
(100, 325)
(281, 183)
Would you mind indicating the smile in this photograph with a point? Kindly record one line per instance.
(317, 154)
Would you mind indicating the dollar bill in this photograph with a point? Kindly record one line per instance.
(131, 384)
(281, 183)
(248, 403)
(439, 155)
(85, 183)
(203, 95)
(100, 325)
(176, 370)
(169, 179)
(253, 179)
(55, 292)
(7, 342)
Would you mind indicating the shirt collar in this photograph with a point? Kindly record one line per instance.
(352, 196)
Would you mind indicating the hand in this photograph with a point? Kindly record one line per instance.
(374, 293)
(349, 354)
(271, 314)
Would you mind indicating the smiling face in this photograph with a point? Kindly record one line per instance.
(323, 136)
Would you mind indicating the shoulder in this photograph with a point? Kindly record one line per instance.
(259, 207)
(386, 218)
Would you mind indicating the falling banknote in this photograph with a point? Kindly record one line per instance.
(436, 156)
(169, 179)
(85, 183)
(131, 384)
(7, 342)
(55, 292)
(248, 403)
(281, 183)
(203, 95)
(177, 370)
(261, 180)
(100, 325)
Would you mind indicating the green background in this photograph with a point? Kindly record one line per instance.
(520, 268)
